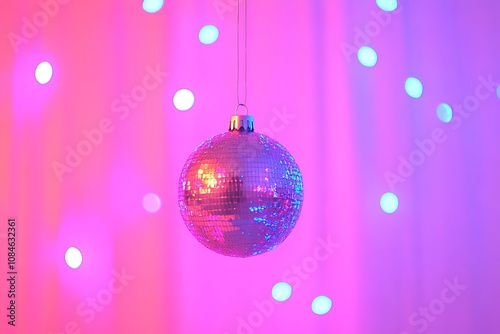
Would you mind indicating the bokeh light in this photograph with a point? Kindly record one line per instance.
(73, 257)
(414, 87)
(389, 202)
(152, 6)
(498, 91)
(281, 291)
(183, 99)
(151, 203)
(387, 5)
(321, 305)
(444, 112)
(367, 56)
(43, 72)
(208, 34)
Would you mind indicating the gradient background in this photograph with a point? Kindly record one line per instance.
(351, 126)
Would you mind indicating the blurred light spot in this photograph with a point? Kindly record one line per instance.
(151, 203)
(43, 72)
(208, 34)
(321, 305)
(367, 56)
(152, 6)
(498, 91)
(389, 202)
(387, 5)
(183, 99)
(444, 112)
(414, 87)
(281, 291)
(73, 257)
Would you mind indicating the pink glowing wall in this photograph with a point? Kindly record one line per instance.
(348, 126)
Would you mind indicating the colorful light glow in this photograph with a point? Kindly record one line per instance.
(151, 203)
(389, 202)
(367, 56)
(281, 291)
(208, 34)
(444, 112)
(183, 99)
(152, 6)
(387, 5)
(43, 72)
(73, 257)
(414, 87)
(321, 305)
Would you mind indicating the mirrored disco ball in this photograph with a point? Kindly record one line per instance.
(240, 192)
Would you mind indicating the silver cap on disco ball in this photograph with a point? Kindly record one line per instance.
(241, 123)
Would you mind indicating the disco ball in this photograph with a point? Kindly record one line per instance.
(240, 192)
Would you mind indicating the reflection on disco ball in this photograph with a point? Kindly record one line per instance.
(240, 193)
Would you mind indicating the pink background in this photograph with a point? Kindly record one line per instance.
(348, 126)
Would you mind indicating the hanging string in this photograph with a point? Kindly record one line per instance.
(241, 102)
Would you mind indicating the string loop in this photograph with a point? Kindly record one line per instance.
(242, 106)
